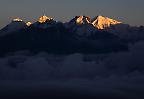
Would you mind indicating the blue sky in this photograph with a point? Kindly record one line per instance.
(127, 11)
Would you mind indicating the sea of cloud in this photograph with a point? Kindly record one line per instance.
(23, 65)
(121, 70)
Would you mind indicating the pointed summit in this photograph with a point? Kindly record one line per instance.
(81, 25)
(80, 20)
(15, 25)
(44, 19)
(101, 22)
(28, 23)
(44, 22)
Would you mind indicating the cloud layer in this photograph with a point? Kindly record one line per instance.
(23, 65)
(123, 71)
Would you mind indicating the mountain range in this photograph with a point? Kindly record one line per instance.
(81, 34)
(98, 22)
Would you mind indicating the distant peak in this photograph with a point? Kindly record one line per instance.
(100, 16)
(17, 20)
(44, 18)
(102, 22)
(82, 19)
(28, 23)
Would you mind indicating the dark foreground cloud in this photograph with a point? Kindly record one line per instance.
(121, 72)
(23, 65)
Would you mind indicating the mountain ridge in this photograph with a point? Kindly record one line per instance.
(79, 35)
(76, 36)
(78, 20)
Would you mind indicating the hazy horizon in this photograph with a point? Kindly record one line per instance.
(127, 11)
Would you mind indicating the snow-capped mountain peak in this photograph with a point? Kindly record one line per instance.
(83, 20)
(79, 20)
(44, 19)
(81, 25)
(17, 20)
(28, 23)
(101, 22)
(44, 22)
(15, 25)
